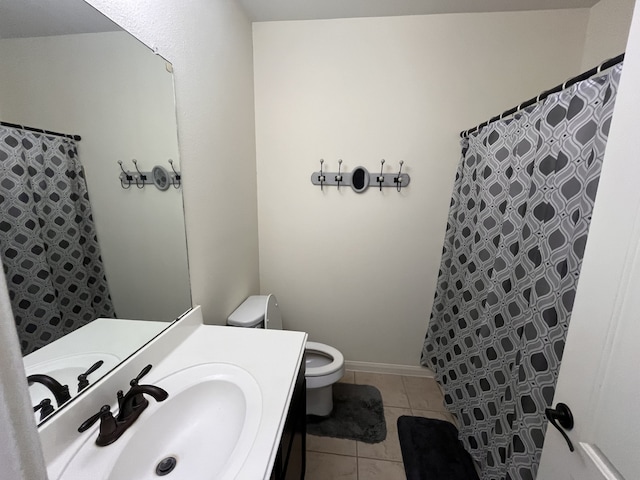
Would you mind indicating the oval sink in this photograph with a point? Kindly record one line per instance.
(207, 424)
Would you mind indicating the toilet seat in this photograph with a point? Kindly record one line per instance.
(324, 375)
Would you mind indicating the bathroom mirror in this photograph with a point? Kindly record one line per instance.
(67, 68)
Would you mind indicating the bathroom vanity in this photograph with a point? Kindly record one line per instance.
(236, 409)
(290, 461)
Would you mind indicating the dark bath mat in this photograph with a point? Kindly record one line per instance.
(357, 415)
(431, 450)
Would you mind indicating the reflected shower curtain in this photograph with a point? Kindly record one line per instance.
(48, 242)
(515, 237)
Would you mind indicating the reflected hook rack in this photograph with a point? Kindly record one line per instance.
(158, 176)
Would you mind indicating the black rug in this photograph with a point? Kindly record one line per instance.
(357, 415)
(431, 450)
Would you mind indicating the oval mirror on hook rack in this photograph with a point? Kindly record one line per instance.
(160, 177)
(360, 179)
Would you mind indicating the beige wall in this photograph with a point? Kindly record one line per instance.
(209, 44)
(359, 271)
(361, 90)
(609, 22)
(114, 92)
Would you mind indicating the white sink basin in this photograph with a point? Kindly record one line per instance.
(208, 424)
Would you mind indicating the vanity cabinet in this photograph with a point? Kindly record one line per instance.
(291, 458)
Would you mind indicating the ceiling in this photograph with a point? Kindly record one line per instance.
(43, 18)
(271, 10)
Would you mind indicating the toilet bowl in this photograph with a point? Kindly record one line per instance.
(324, 365)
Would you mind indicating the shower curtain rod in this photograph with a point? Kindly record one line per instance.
(77, 138)
(612, 62)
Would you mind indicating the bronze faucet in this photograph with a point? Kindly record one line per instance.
(60, 392)
(130, 406)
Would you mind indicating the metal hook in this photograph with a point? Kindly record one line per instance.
(176, 176)
(321, 176)
(140, 175)
(381, 177)
(339, 177)
(398, 179)
(126, 175)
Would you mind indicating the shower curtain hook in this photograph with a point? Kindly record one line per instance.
(398, 179)
(140, 175)
(175, 177)
(126, 175)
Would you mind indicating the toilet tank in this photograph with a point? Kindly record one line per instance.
(257, 311)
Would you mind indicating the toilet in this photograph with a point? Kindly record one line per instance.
(324, 365)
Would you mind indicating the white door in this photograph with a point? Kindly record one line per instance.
(599, 375)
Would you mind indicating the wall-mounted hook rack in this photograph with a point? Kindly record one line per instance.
(176, 178)
(125, 176)
(359, 179)
(158, 176)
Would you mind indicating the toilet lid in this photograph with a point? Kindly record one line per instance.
(332, 353)
(249, 313)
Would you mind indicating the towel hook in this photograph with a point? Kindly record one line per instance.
(126, 175)
(381, 177)
(140, 175)
(398, 179)
(175, 177)
(321, 176)
(339, 176)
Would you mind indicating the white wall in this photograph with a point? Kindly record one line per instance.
(114, 92)
(609, 22)
(359, 271)
(209, 45)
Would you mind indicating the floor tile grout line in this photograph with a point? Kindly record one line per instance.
(332, 453)
(406, 392)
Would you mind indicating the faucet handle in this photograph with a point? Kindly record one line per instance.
(83, 382)
(104, 412)
(144, 371)
(45, 408)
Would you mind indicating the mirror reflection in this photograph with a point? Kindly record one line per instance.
(76, 243)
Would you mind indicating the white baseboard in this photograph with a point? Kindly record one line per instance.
(408, 370)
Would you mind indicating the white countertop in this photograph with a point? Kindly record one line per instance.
(272, 357)
(115, 336)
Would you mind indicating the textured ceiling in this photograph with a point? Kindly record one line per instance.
(270, 10)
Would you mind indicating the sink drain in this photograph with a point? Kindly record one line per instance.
(166, 466)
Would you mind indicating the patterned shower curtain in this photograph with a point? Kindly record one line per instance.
(515, 237)
(48, 241)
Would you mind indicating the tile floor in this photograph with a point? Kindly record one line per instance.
(339, 459)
